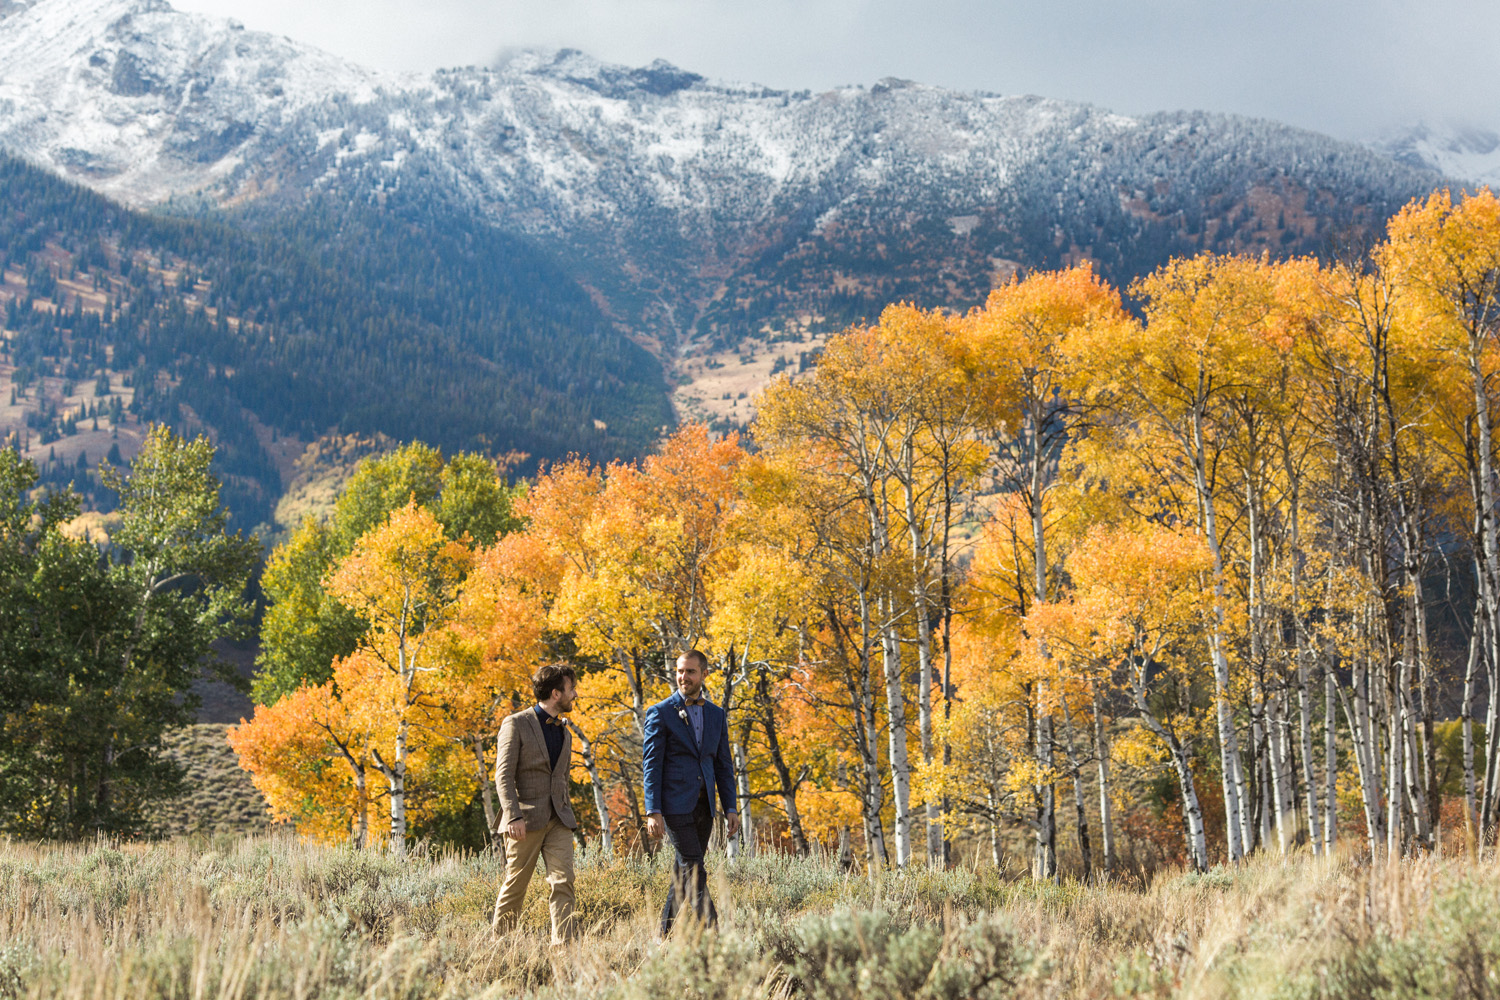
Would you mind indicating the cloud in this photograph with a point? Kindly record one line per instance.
(1339, 66)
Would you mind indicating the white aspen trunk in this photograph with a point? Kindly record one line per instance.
(1366, 756)
(1415, 797)
(1046, 821)
(874, 831)
(1484, 640)
(361, 821)
(1427, 726)
(1236, 819)
(794, 822)
(1466, 714)
(1276, 765)
(1260, 765)
(1271, 741)
(1236, 790)
(895, 707)
(1395, 789)
(1491, 739)
(743, 843)
(1192, 809)
(1487, 532)
(486, 787)
(1085, 848)
(779, 765)
(397, 780)
(1101, 753)
(1285, 760)
(931, 806)
(1044, 863)
(1309, 778)
(1417, 820)
(919, 563)
(633, 680)
(1489, 535)
(601, 805)
(1330, 763)
(1300, 655)
(361, 810)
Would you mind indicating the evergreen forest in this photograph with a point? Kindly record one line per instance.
(395, 315)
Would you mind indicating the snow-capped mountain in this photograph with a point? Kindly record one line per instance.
(142, 102)
(1456, 150)
(687, 206)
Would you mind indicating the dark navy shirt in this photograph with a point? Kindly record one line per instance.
(551, 732)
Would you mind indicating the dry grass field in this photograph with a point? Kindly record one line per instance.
(269, 917)
(721, 387)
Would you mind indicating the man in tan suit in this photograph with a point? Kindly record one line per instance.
(531, 773)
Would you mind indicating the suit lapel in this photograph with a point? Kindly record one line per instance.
(710, 735)
(685, 725)
(535, 725)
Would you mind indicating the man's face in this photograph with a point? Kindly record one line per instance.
(689, 676)
(566, 696)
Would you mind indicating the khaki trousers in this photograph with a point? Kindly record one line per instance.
(554, 843)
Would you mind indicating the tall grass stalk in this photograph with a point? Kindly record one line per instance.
(272, 918)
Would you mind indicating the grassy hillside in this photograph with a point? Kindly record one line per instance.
(219, 798)
(260, 917)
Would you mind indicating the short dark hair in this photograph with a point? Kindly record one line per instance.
(695, 654)
(550, 678)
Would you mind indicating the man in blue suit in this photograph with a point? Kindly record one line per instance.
(686, 753)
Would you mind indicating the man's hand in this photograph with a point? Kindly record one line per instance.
(654, 825)
(731, 824)
(516, 830)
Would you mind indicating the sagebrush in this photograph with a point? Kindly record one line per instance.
(272, 917)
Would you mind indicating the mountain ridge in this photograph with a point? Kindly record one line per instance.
(671, 195)
(727, 228)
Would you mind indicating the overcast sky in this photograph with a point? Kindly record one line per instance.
(1348, 67)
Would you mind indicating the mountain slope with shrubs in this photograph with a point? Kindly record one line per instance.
(341, 318)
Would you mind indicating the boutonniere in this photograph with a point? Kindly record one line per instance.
(682, 714)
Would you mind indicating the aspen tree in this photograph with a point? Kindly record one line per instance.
(1203, 319)
(403, 578)
(1446, 255)
(1143, 596)
(1025, 336)
(866, 402)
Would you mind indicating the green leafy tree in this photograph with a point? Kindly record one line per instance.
(305, 629)
(99, 650)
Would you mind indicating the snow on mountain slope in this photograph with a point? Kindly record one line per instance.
(1454, 150)
(689, 205)
(141, 101)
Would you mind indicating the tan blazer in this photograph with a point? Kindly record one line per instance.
(530, 788)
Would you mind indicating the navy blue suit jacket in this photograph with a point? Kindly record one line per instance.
(677, 767)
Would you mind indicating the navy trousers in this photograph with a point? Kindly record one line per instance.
(690, 833)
